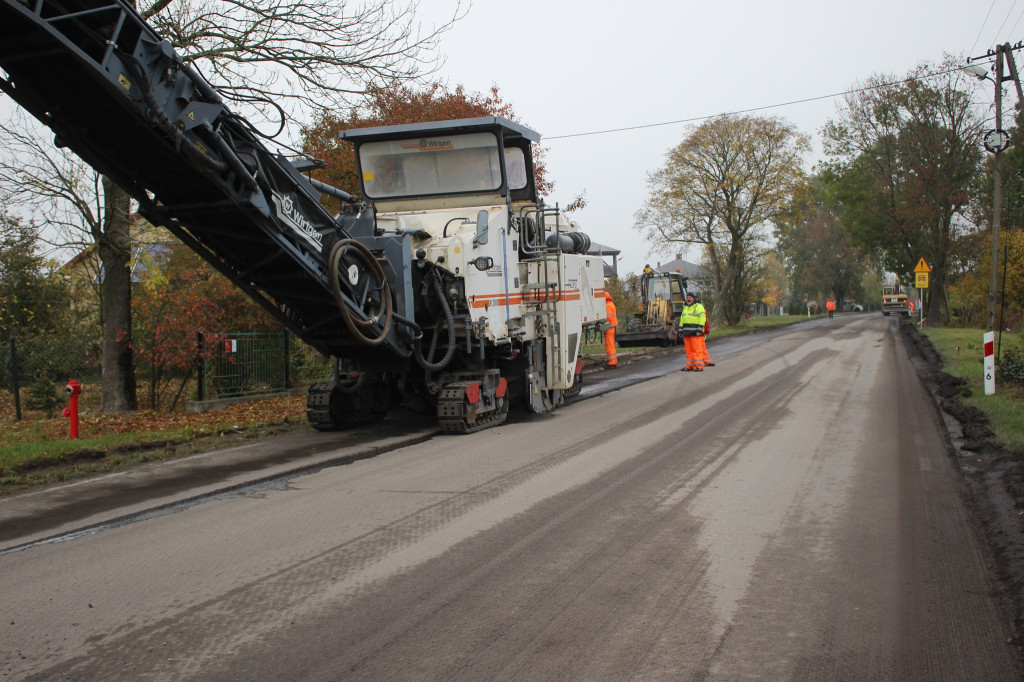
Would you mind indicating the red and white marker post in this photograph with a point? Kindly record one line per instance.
(990, 363)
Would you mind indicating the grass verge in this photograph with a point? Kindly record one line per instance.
(758, 323)
(962, 353)
(37, 451)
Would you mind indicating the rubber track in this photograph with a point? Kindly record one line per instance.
(451, 411)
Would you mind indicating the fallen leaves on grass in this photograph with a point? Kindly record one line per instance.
(270, 411)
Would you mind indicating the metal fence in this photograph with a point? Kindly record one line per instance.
(239, 364)
(33, 371)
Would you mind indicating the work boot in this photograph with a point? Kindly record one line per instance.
(610, 366)
(709, 364)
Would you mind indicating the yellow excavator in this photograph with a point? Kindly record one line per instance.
(656, 322)
(894, 300)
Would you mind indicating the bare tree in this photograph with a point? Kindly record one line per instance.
(311, 53)
(76, 206)
(53, 184)
(729, 178)
(293, 54)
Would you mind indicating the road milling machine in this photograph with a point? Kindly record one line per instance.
(656, 322)
(447, 285)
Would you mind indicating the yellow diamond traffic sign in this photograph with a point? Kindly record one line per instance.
(922, 266)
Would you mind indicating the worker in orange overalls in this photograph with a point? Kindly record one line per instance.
(830, 305)
(611, 357)
(691, 326)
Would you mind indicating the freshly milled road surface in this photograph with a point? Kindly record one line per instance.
(789, 514)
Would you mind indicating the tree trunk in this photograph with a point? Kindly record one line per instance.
(721, 291)
(733, 311)
(118, 371)
(711, 258)
(937, 278)
(936, 300)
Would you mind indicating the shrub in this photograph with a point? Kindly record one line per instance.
(44, 395)
(1011, 366)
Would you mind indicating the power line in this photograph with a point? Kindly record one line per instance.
(1019, 16)
(1006, 18)
(987, 15)
(754, 109)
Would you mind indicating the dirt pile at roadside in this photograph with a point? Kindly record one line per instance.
(993, 477)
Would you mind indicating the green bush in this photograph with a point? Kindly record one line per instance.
(1011, 366)
(44, 395)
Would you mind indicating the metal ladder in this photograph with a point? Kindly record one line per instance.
(549, 292)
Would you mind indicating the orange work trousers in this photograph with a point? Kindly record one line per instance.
(702, 349)
(612, 358)
(694, 352)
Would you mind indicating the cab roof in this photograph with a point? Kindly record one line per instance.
(509, 129)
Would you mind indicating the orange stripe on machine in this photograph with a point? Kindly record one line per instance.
(486, 301)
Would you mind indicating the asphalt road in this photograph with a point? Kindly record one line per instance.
(791, 513)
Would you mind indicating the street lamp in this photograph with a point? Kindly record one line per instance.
(978, 72)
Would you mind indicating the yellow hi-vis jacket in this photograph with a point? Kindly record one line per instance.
(692, 320)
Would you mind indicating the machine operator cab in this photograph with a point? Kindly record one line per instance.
(669, 287)
(466, 162)
(452, 186)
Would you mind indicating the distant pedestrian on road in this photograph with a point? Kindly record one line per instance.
(691, 326)
(831, 307)
(611, 357)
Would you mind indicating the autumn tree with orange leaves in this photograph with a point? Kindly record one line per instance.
(397, 105)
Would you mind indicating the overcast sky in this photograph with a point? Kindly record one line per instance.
(575, 66)
(570, 67)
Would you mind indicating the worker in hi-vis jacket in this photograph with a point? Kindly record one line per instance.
(691, 326)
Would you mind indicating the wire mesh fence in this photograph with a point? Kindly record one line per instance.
(34, 371)
(256, 362)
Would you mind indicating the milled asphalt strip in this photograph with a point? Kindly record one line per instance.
(273, 481)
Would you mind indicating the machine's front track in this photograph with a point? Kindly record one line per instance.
(462, 409)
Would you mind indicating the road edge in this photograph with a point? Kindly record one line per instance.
(993, 478)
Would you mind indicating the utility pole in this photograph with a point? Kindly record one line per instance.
(997, 141)
(997, 190)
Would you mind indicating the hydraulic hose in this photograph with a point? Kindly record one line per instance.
(354, 324)
(450, 324)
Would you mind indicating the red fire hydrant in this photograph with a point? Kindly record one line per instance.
(73, 389)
